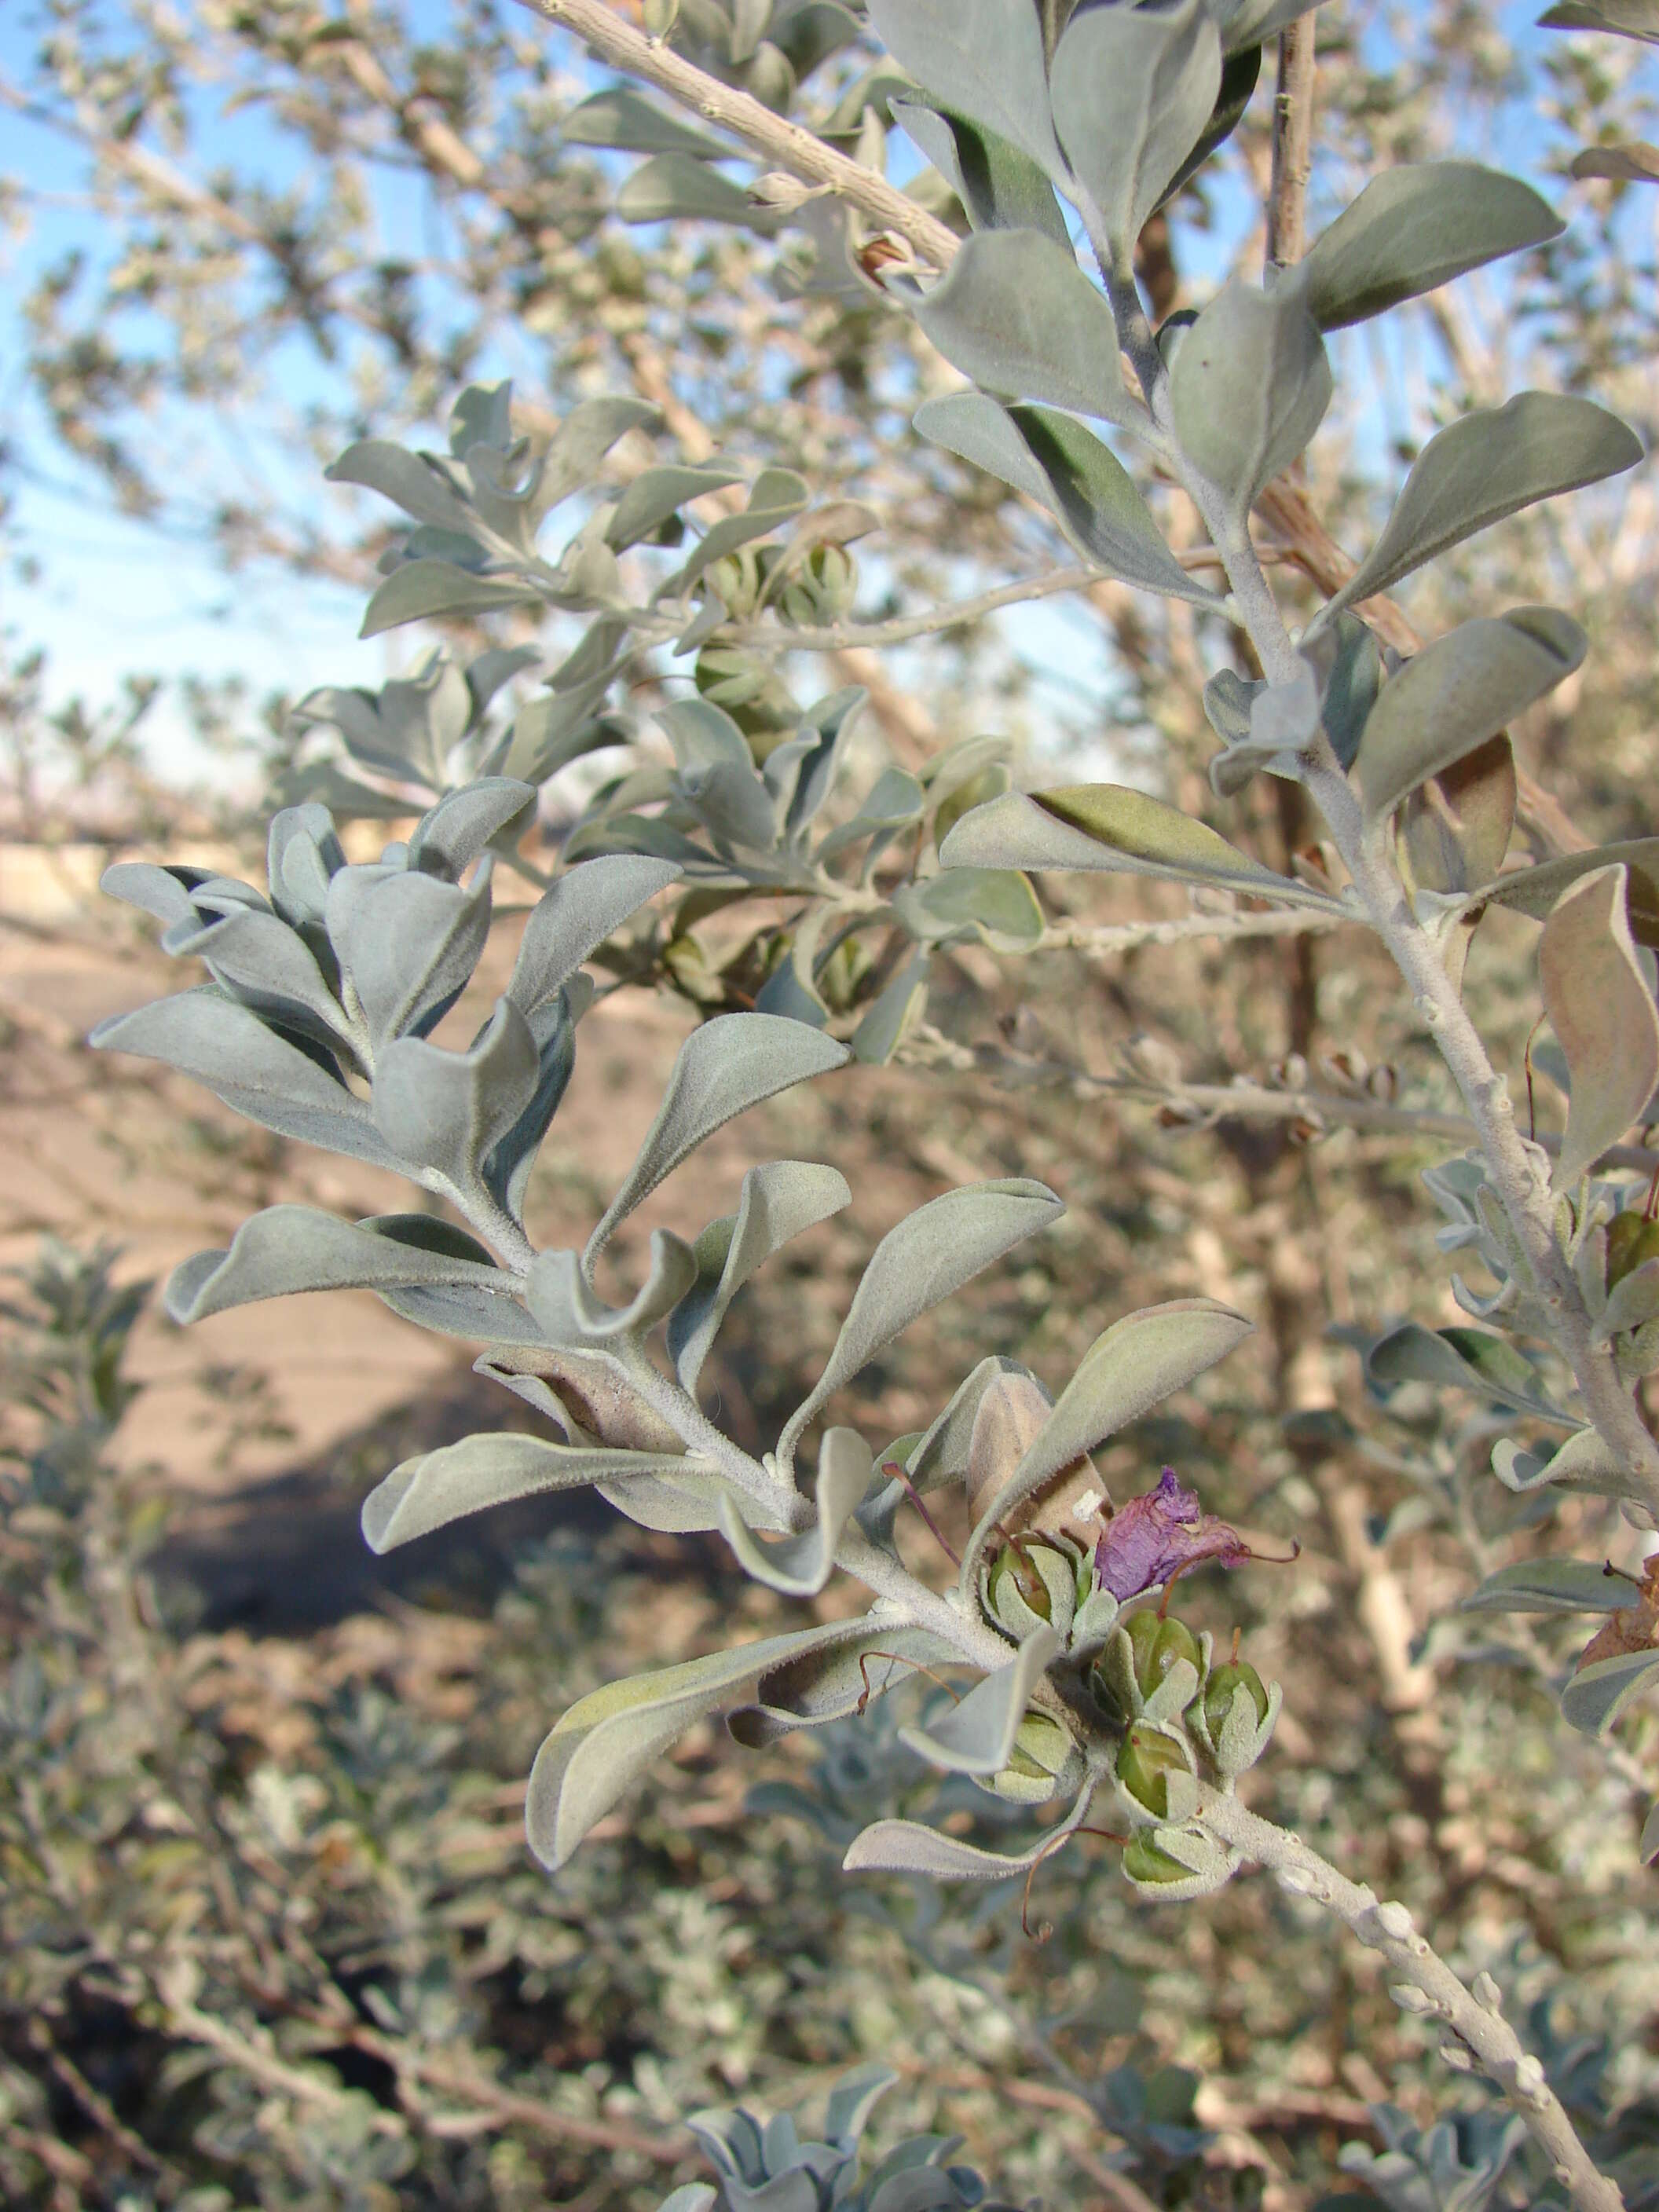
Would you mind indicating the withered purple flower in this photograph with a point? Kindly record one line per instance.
(1159, 1534)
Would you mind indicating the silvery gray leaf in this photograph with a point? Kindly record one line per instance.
(479, 1317)
(1552, 1586)
(1464, 1359)
(1249, 386)
(584, 438)
(1132, 90)
(775, 497)
(589, 903)
(1601, 1005)
(408, 941)
(507, 1165)
(1129, 1367)
(799, 1566)
(981, 60)
(1414, 227)
(449, 1111)
(930, 1255)
(1067, 469)
(724, 1068)
(164, 892)
(1488, 464)
(1112, 830)
(421, 591)
(570, 1311)
(303, 855)
(977, 1736)
(894, 801)
(655, 494)
(265, 964)
(1597, 1694)
(626, 119)
(607, 1739)
(411, 481)
(1000, 188)
(1015, 314)
(298, 1248)
(734, 806)
(997, 906)
(837, 1681)
(892, 1013)
(778, 1201)
(267, 1078)
(825, 728)
(437, 1487)
(450, 836)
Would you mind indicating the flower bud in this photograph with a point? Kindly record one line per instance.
(1046, 1763)
(1218, 1692)
(1144, 1763)
(1032, 1580)
(1158, 1645)
(1146, 1860)
(1632, 1239)
(739, 578)
(821, 590)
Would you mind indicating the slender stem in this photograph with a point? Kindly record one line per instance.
(1287, 199)
(1475, 2022)
(932, 622)
(687, 1418)
(888, 1578)
(786, 145)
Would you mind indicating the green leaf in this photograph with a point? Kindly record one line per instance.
(1600, 1006)
(1109, 829)
(977, 1736)
(1623, 18)
(1250, 386)
(1552, 1586)
(780, 1199)
(800, 1565)
(1016, 314)
(287, 1248)
(626, 119)
(1487, 465)
(1456, 693)
(1597, 1694)
(1068, 470)
(1132, 90)
(437, 1487)
(1000, 188)
(723, 1069)
(996, 905)
(1126, 1371)
(607, 1739)
(1464, 1359)
(980, 58)
(678, 187)
(928, 1257)
(1412, 228)
(419, 590)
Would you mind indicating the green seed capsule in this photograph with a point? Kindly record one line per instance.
(1145, 1761)
(1632, 1240)
(1146, 1860)
(1158, 1645)
(1015, 1567)
(1219, 1689)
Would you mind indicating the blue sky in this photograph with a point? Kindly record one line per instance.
(115, 597)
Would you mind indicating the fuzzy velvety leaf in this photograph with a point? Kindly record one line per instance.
(1456, 693)
(570, 1312)
(262, 1075)
(1133, 89)
(977, 1736)
(1240, 74)
(1466, 1358)
(1624, 19)
(1127, 1368)
(1552, 1586)
(298, 1248)
(655, 494)
(1249, 387)
(408, 941)
(980, 58)
(1487, 465)
(263, 962)
(1597, 1694)
(447, 1111)
(1015, 314)
(582, 440)
(906, 1847)
(408, 480)
(891, 1014)
(1583, 1463)
(1412, 228)
(1000, 188)
(450, 836)
(723, 1069)
(608, 1738)
(632, 123)
(800, 1565)
(1600, 1006)
(678, 187)
(775, 497)
(894, 801)
(1536, 891)
(588, 903)
(1252, 22)
(437, 1487)
(837, 1681)
(421, 591)
(1457, 828)
(778, 1201)
(996, 905)
(932, 1254)
(1068, 470)
(1107, 828)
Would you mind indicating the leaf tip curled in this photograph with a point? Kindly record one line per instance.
(383, 1506)
(188, 1295)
